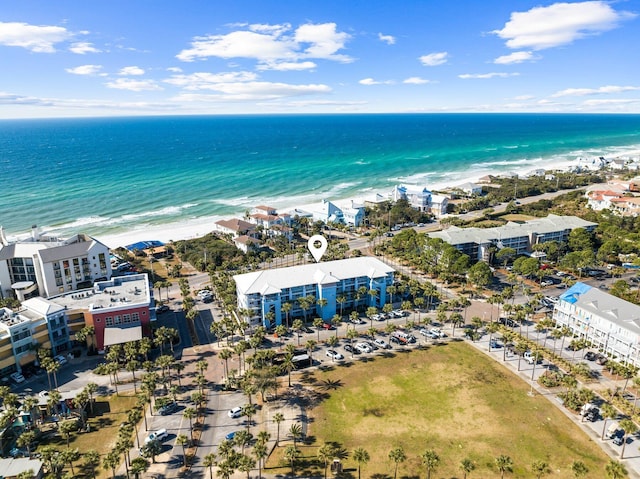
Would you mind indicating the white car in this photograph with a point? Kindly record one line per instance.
(61, 360)
(333, 354)
(382, 343)
(17, 377)
(437, 333)
(363, 348)
(159, 435)
(235, 412)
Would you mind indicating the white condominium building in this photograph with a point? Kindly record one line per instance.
(43, 265)
(264, 292)
(609, 323)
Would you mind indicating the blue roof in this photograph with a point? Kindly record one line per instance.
(144, 245)
(573, 293)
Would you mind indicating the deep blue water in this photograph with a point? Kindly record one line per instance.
(105, 175)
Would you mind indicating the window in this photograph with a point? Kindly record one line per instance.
(135, 316)
(117, 319)
(126, 318)
(108, 321)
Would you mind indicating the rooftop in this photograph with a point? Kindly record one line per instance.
(119, 292)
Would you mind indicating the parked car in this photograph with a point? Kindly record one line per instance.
(494, 343)
(590, 356)
(162, 309)
(168, 408)
(231, 435)
(159, 435)
(328, 326)
(17, 377)
(363, 348)
(397, 340)
(350, 349)
(235, 412)
(601, 359)
(60, 359)
(438, 332)
(382, 343)
(371, 344)
(333, 354)
(357, 321)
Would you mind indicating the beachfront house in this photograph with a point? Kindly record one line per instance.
(626, 206)
(271, 222)
(263, 293)
(599, 200)
(235, 227)
(421, 199)
(479, 243)
(470, 189)
(46, 265)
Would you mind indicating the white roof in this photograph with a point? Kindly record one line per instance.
(272, 281)
(42, 306)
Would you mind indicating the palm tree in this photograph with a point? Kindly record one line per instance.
(579, 469)
(466, 466)
(291, 454)
(183, 440)
(278, 418)
(111, 462)
(189, 413)
(540, 468)
(209, 461)
(91, 461)
(310, 345)
(608, 412)
(260, 451)
(629, 427)
(341, 299)
(615, 470)
(397, 455)
(286, 309)
(288, 365)
(249, 410)
(504, 464)
(326, 454)
(361, 456)
(322, 302)
(296, 432)
(138, 466)
(431, 460)
(246, 464)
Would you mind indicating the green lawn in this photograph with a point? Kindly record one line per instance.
(450, 398)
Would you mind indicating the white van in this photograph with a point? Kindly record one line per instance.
(159, 435)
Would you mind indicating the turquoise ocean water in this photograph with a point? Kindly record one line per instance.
(105, 176)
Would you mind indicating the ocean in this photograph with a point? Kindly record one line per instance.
(172, 177)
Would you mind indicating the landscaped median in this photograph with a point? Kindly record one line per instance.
(450, 399)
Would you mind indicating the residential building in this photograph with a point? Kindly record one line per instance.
(421, 199)
(610, 324)
(263, 293)
(120, 310)
(470, 189)
(44, 265)
(13, 467)
(599, 200)
(626, 205)
(235, 227)
(479, 243)
(347, 212)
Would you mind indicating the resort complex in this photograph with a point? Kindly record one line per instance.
(333, 286)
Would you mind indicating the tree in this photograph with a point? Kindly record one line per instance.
(288, 365)
(615, 470)
(209, 461)
(66, 428)
(540, 468)
(91, 461)
(608, 412)
(431, 460)
(111, 462)
(504, 464)
(466, 466)
(326, 454)
(397, 455)
(260, 451)
(629, 427)
(246, 464)
(278, 418)
(183, 440)
(26, 439)
(139, 466)
(291, 453)
(579, 469)
(361, 456)
(189, 413)
(296, 432)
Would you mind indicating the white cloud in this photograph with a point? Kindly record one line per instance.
(515, 57)
(609, 102)
(524, 97)
(131, 71)
(207, 81)
(253, 91)
(39, 39)
(559, 24)
(388, 39)
(85, 70)
(467, 76)
(371, 81)
(434, 59)
(133, 85)
(416, 81)
(594, 91)
(174, 70)
(287, 66)
(83, 47)
(273, 45)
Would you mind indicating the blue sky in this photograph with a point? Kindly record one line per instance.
(72, 58)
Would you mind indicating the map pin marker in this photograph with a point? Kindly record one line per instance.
(317, 251)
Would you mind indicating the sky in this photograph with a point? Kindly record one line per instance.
(79, 58)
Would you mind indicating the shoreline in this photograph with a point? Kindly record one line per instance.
(194, 227)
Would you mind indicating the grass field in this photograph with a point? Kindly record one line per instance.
(449, 398)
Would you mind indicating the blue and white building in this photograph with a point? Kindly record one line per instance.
(609, 323)
(264, 292)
